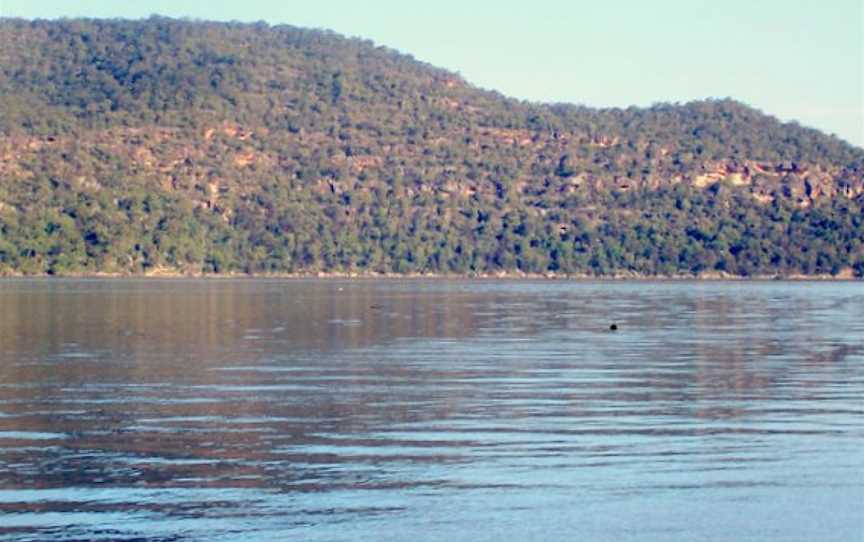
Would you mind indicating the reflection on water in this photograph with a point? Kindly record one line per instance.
(315, 410)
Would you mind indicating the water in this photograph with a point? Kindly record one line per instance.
(437, 410)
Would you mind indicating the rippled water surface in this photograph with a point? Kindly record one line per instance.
(436, 410)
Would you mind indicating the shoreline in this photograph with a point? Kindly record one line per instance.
(502, 275)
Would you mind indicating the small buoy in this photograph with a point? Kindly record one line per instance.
(613, 327)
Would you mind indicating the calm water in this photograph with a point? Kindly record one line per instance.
(329, 411)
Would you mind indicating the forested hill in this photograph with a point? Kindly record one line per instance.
(173, 146)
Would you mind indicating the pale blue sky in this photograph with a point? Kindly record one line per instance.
(796, 59)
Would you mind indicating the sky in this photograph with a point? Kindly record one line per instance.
(799, 60)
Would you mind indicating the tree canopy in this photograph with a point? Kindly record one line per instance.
(197, 147)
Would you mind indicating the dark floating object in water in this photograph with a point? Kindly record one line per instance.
(613, 327)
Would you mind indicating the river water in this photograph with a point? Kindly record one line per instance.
(431, 410)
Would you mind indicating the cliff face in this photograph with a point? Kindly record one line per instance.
(127, 146)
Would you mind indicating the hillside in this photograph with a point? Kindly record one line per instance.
(172, 146)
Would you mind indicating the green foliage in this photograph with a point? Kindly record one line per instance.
(135, 146)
